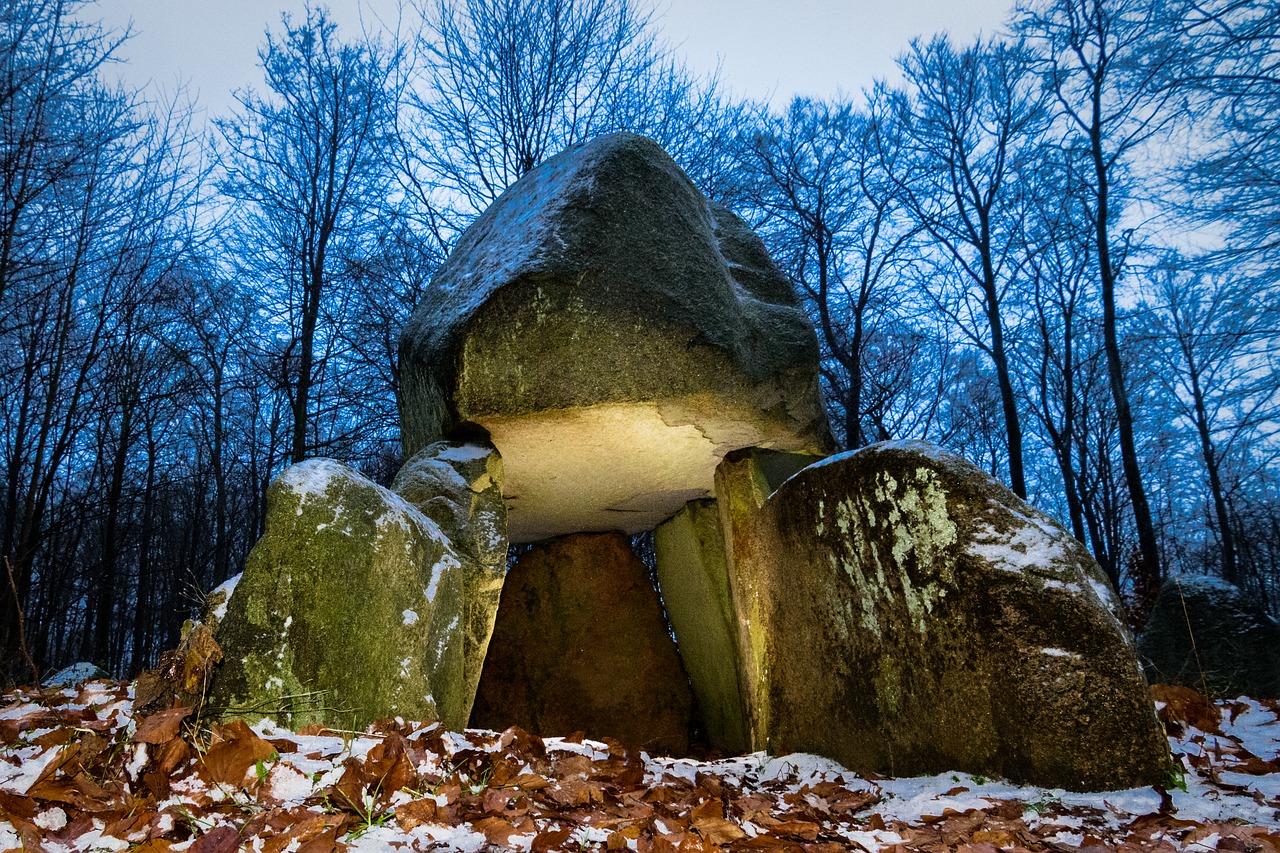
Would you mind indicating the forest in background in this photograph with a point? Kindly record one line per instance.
(1053, 251)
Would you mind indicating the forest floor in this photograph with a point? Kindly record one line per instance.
(79, 772)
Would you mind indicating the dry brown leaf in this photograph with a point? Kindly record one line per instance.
(162, 726)
(549, 839)
(495, 830)
(977, 847)
(571, 767)
(494, 800)
(529, 782)
(998, 837)
(220, 839)
(416, 812)
(707, 819)
(1183, 706)
(764, 842)
(235, 750)
(801, 829)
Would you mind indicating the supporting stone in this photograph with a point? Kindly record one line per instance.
(694, 581)
(353, 606)
(580, 644)
(901, 612)
(459, 487)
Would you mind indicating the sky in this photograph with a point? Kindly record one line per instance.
(764, 48)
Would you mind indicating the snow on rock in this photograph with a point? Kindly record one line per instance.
(74, 675)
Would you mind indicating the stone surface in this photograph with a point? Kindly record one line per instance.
(615, 334)
(695, 587)
(703, 603)
(1207, 634)
(75, 675)
(459, 487)
(581, 645)
(351, 608)
(901, 612)
(214, 608)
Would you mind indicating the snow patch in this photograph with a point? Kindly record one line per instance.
(225, 589)
(1027, 547)
(463, 453)
(410, 617)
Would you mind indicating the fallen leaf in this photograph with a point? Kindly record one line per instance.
(707, 819)
(801, 829)
(220, 839)
(161, 727)
(416, 812)
(236, 749)
(549, 839)
(495, 830)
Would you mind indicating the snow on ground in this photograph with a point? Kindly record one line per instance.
(78, 773)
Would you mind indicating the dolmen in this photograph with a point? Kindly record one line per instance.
(608, 353)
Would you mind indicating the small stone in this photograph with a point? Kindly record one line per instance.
(1205, 633)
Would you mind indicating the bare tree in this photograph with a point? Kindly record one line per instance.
(505, 84)
(95, 193)
(969, 119)
(1109, 65)
(1215, 338)
(1230, 63)
(834, 220)
(308, 167)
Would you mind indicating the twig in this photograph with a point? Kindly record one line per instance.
(22, 628)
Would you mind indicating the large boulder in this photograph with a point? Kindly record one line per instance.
(901, 612)
(352, 607)
(581, 645)
(1207, 634)
(615, 334)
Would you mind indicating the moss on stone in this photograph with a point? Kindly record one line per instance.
(350, 609)
(922, 618)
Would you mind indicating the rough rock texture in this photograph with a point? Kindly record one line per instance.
(695, 587)
(903, 613)
(459, 487)
(581, 645)
(615, 334)
(703, 602)
(214, 609)
(1207, 634)
(351, 608)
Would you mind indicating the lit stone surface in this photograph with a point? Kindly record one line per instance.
(616, 334)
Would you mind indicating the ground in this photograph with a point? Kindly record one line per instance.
(79, 772)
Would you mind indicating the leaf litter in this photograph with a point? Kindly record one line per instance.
(80, 771)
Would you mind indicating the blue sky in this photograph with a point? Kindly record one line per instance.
(764, 47)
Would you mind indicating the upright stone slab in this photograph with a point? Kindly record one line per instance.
(459, 487)
(581, 645)
(615, 334)
(695, 587)
(903, 613)
(1207, 634)
(352, 607)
